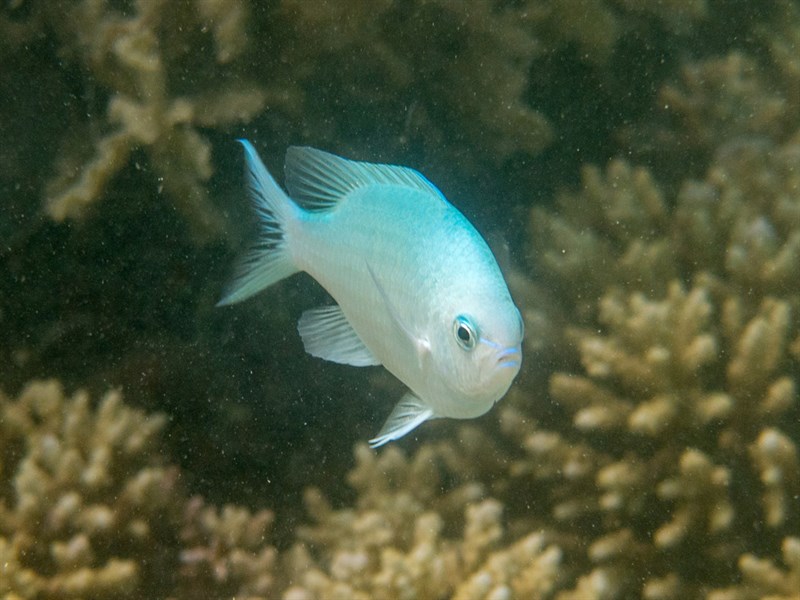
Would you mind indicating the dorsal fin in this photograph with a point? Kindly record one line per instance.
(318, 179)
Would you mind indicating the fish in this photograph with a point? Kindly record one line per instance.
(416, 288)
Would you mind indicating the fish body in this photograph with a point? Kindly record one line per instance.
(417, 289)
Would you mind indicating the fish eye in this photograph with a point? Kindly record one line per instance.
(464, 332)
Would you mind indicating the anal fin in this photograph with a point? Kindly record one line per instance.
(408, 414)
(327, 334)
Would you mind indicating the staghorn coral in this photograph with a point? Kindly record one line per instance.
(89, 510)
(138, 59)
(461, 67)
(682, 308)
(782, 37)
(85, 510)
(394, 543)
(685, 324)
(719, 100)
(744, 93)
(455, 62)
(226, 551)
(765, 580)
(595, 27)
(152, 78)
(590, 244)
(724, 99)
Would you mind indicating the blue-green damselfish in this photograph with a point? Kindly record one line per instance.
(416, 287)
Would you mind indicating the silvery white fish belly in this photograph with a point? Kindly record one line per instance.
(417, 289)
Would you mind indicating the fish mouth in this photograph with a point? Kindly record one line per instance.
(510, 357)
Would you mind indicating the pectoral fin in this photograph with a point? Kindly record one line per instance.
(327, 334)
(407, 414)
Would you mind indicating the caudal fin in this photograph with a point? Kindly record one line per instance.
(268, 261)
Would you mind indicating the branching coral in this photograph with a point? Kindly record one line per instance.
(85, 509)
(764, 579)
(685, 325)
(399, 542)
(88, 509)
(454, 61)
(147, 77)
(723, 98)
(136, 59)
(226, 551)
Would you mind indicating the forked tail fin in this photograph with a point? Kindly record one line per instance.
(269, 260)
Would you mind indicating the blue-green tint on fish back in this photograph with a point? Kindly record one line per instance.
(416, 287)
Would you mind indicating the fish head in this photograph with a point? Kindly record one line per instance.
(481, 354)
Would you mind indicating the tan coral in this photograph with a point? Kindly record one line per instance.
(741, 96)
(130, 55)
(765, 580)
(229, 24)
(226, 551)
(723, 98)
(656, 354)
(776, 457)
(700, 492)
(83, 495)
(405, 539)
(783, 37)
(684, 320)
(596, 26)
(88, 510)
(608, 234)
(483, 88)
(528, 568)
